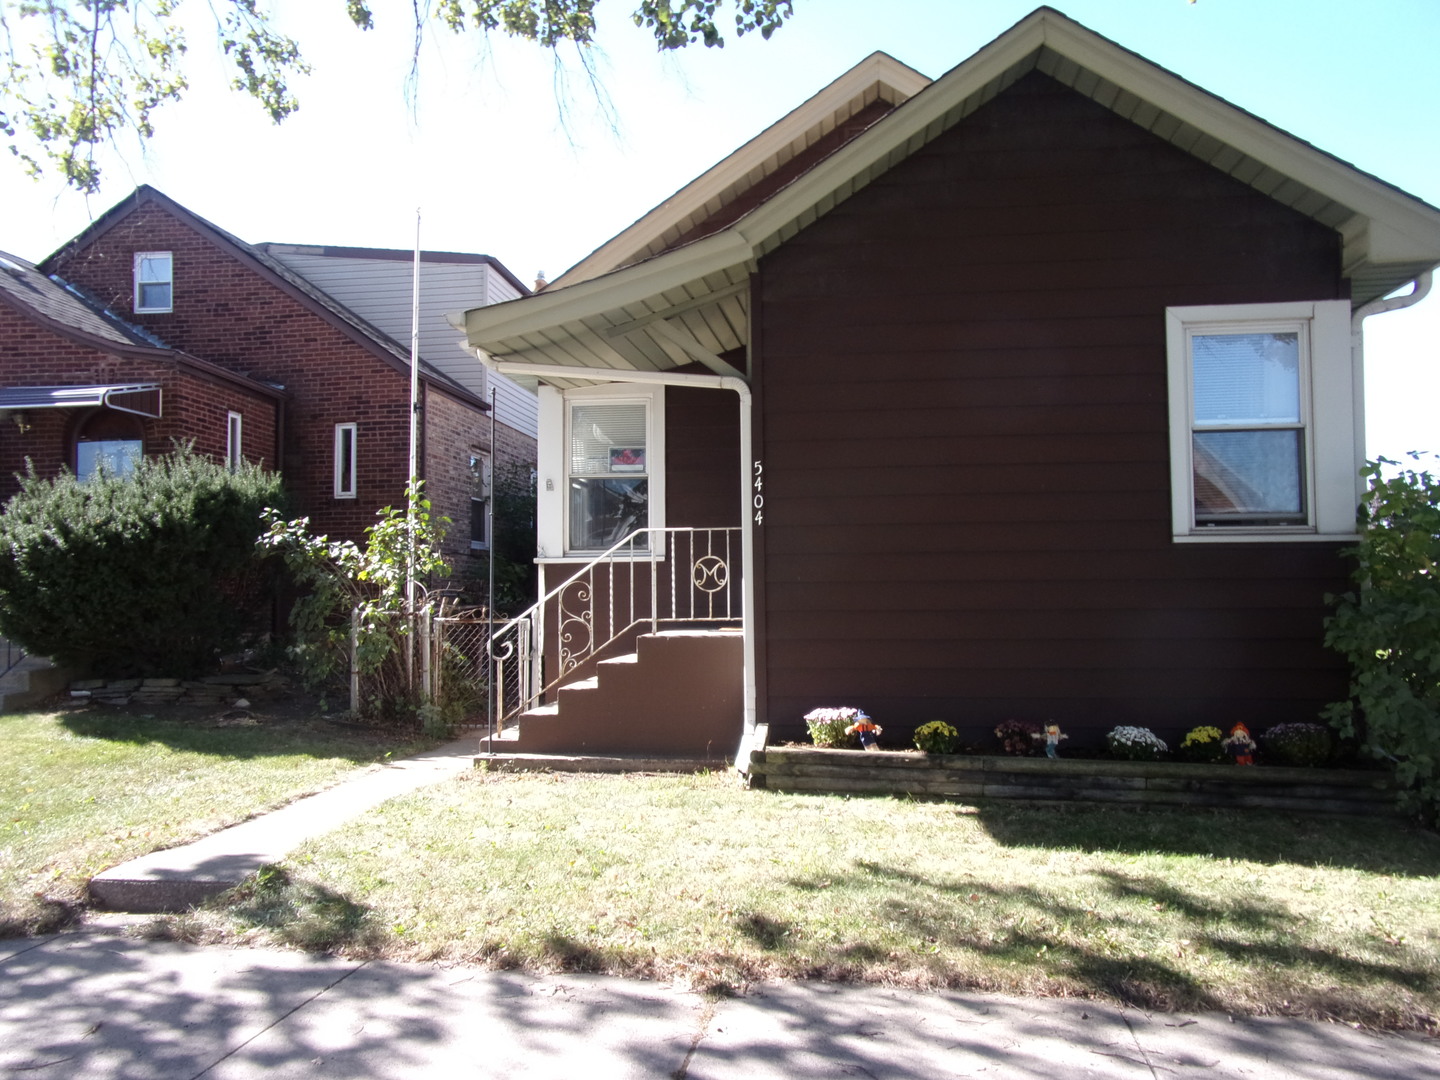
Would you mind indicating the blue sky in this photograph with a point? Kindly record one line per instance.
(486, 158)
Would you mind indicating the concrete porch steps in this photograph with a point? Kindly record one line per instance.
(678, 696)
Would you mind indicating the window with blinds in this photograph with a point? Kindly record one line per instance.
(1248, 426)
(607, 467)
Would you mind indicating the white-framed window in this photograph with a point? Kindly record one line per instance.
(1265, 432)
(346, 460)
(154, 282)
(234, 443)
(601, 467)
(480, 495)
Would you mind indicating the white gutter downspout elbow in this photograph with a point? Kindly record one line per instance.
(747, 518)
(1357, 358)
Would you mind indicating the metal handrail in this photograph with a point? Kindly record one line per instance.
(584, 629)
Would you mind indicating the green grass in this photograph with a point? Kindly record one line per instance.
(694, 878)
(82, 791)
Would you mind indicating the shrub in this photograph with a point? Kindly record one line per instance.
(1135, 744)
(1389, 629)
(153, 573)
(937, 737)
(827, 726)
(1299, 744)
(1016, 736)
(1202, 744)
(336, 578)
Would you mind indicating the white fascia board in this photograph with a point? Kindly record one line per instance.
(1410, 229)
(878, 67)
(487, 326)
(895, 130)
(1401, 229)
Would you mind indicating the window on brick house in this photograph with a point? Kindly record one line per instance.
(233, 445)
(110, 442)
(345, 460)
(154, 282)
(480, 495)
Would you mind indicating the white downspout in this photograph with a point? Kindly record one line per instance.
(1357, 357)
(747, 520)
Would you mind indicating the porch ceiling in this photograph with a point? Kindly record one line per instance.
(651, 317)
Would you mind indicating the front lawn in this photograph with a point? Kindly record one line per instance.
(694, 878)
(84, 790)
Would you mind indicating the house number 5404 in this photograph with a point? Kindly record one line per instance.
(758, 502)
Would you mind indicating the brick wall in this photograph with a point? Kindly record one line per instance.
(194, 405)
(230, 313)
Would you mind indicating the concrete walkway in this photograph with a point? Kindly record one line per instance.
(99, 1005)
(181, 877)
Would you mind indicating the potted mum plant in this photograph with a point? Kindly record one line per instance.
(830, 727)
(1135, 744)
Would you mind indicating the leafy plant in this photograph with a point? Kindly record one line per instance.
(1202, 744)
(827, 726)
(1306, 745)
(150, 573)
(1389, 630)
(1017, 736)
(1135, 744)
(339, 582)
(937, 737)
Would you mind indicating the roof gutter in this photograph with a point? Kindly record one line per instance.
(1357, 357)
(747, 518)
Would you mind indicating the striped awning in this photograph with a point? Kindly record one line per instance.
(142, 399)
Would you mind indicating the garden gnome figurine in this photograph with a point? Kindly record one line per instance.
(1240, 745)
(866, 730)
(1052, 736)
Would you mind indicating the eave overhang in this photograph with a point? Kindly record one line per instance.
(679, 306)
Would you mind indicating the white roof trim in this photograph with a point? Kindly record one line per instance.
(877, 68)
(1389, 226)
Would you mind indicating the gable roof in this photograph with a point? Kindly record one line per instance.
(68, 311)
(830, 118)
(305, 292)
(688, 303)
(63, 306)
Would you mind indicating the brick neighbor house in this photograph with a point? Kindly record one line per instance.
(155, 324)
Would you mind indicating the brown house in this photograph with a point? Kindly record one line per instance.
(1048, 408)
(155, 324)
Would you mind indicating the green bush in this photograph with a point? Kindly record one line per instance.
(1389, 629)
(336, 578)
(1306, 745)
(937, 737)
(154, 573)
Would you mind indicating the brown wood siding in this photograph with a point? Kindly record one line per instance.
(963, 381)
(702, 457)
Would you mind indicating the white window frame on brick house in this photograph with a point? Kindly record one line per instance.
(154, 271)
(347, 459)
(234, 439)
(556, 409)
(1327, 420)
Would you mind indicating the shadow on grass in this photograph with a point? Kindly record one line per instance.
(1375, 845)
(272, 738)
(1035, 933)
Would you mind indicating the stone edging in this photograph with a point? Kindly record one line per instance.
(1324, 791)
(227, 689)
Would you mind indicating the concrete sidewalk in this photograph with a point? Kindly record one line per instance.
(99, 1005)
(181, 877)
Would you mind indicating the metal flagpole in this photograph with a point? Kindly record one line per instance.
(490, 594)
(414, 454)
